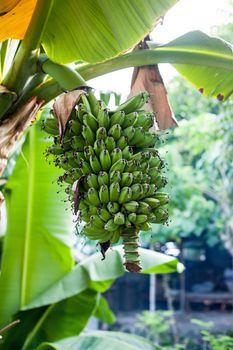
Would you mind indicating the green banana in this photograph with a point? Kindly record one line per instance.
(134, 103)
(90, 121)
(110, 143)
(85, 102)
(156, 161)
(88, 151)
(101, 133)
(110, 225)
(140, 218)
(92, 181)
(99, 146)
(92, 100)
(146, 179)
(149, 140)
(104, 194)
(116, 155)
(117, 118)
(93, 196)
(103, 178)
(85, 214)
(75, 127)
(85, 168)
(127, 152)
(153, 202)
(119, 166)
(126, 179)
(144, 167)
(131, 165)
(138, 137)
(145, 226)
(113, 207)
(104, 214)
(77, 143)
(115, 131)
(131, 206)
(128, 132)
(130, 119)
(144, 208)
(105, 160)
(146, 189)
(103, 118)
(125, 195)
(132, 217)
(96, 221)
(119, 218)
(137, 191)
(88, 135)
(95, 164)
(55, 150)
(161, 215)
(137, 176)
(114, 192)
(115, 236)
(122, 142)
(162, 197)
(145, 120)
(114, 176)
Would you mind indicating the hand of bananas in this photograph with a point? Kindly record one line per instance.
(113, 153)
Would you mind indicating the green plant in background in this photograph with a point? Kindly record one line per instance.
(213, 341)
(199, 153)
(156, 326)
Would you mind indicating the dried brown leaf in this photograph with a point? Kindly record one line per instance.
(14, 126)
(148, 78)
(64, 106)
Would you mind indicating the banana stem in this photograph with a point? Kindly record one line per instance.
(25, 61)
(130, 246)
(66, 77)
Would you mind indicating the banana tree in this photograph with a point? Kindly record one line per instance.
(34, 71)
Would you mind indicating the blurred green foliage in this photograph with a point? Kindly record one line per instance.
(199, 156)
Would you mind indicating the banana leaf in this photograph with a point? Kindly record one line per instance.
(205, 61)
(36, 249)
(85, 30)
(74, 298)
(103, 311)
(101, 340)
(63, 319)
(99, 275)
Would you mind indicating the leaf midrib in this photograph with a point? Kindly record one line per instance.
(30, 197)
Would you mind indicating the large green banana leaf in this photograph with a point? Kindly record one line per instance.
(99, 275)
(99, 340)
(94, 30)
(63, 319)
(90, 30)
(205, 61)
(36, 252)
(210, 63)
(75, 297)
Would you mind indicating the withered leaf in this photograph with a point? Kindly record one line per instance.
(76, 188)
(148, 78)
(104, 246)
(64, 106)
(14, 126)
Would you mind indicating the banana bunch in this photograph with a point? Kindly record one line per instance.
(110, 155)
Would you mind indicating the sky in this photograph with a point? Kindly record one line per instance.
(185, 16)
